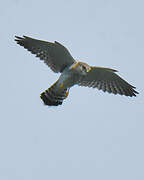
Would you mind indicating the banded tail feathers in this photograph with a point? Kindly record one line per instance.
(52, 98)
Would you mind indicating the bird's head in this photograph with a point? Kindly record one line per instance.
(81, 67)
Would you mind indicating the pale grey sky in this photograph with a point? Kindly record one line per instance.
(93, 135)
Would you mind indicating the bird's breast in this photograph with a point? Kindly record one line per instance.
(67, 80)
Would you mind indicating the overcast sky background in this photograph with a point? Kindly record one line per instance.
(93, 135)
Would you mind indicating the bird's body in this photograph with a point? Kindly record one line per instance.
(58, 58)
(68, 78)
(72, 75)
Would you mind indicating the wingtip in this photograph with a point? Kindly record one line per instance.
(26, 37)
(17, 38)
(135, 92)
(21, 38)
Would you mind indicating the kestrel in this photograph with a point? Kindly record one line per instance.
(58, 58)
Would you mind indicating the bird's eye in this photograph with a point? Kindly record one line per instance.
(84, 68)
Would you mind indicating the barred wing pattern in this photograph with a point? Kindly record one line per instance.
(55, 55)
(107, 80)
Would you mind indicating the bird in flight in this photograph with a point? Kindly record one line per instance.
(73, 72)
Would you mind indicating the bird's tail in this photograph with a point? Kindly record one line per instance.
(51, 97)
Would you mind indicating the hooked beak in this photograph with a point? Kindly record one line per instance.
(88, 69)
(74, 65)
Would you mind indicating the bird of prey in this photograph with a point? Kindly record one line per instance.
(73, 72)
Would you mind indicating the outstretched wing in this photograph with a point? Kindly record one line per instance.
(55, 55)
(107, 80)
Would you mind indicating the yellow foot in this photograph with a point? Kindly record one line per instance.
(61, 85)
(66, 93)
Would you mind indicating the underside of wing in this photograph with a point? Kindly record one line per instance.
(107, 80)
(55, 55)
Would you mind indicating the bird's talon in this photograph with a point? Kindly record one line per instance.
(66, 93)
(61, 85)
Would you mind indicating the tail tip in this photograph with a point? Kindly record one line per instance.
(48, 101)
